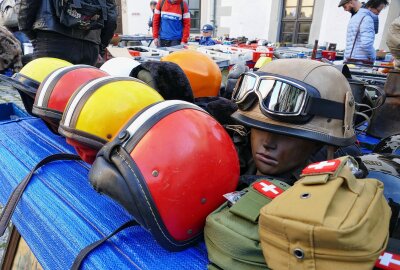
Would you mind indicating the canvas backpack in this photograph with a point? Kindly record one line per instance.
(327, 220)
(231, 231)
(82, 14)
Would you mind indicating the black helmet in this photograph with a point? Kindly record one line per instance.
(386, 168)
(389, 145)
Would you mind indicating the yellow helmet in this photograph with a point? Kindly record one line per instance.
(99, 108)
(29, 78)
(203, 73)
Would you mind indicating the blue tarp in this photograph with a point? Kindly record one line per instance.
(60, 213)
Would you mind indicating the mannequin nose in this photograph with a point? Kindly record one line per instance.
(270, 142)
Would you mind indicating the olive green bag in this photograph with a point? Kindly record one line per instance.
(231, 231)
(327, 220)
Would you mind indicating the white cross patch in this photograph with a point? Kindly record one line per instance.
(268, 188)
(321, 165)
(386, 259)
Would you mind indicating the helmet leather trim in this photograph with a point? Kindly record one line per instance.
(140, 203)
(40, 111)
(82, 137)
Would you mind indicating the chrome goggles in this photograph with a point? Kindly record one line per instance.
(284, 99)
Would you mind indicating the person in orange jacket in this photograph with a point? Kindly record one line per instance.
(171, 23)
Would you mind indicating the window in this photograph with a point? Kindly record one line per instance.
(296, 21)
(194, 9)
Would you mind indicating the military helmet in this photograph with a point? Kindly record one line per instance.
(300, 98)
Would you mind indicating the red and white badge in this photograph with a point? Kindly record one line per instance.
(268, 189)
(388, 261)
(322, 167)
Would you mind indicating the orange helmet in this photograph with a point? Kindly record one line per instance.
(203, 73)
(169, 167)
(55, 91)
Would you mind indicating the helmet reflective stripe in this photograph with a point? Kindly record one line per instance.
(78, 97)
(150, 112)
(50, 79)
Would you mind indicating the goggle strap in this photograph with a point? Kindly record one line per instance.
(325, 108)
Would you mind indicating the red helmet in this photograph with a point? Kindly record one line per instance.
(169, 167)
(54, 92)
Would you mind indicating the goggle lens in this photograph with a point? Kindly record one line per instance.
(280, 97)
(245, 85)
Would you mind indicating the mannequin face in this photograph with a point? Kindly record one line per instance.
(276, 154)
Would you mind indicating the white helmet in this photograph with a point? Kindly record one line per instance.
(119, 66)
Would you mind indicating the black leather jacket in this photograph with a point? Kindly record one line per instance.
(40, 15)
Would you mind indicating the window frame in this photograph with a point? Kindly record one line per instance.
(195, 29)
(297, 20)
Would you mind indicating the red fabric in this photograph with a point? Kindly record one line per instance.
(156, 20)
(388, 261)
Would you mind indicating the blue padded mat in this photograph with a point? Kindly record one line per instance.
(60, 213)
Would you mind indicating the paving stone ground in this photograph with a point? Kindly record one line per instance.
(7, 94)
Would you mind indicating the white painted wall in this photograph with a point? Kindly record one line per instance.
(136, 17)
(248, 18)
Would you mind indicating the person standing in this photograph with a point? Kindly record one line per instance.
(153, 5)
(352, 6)
(171, 23)
(361, 33)
(51, 38)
